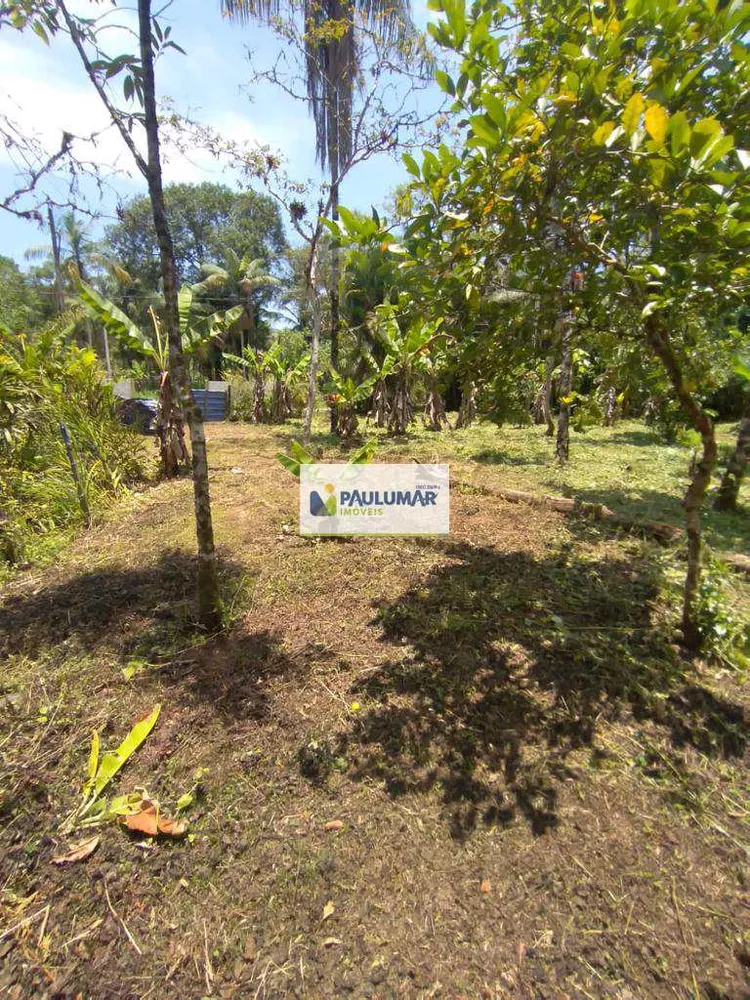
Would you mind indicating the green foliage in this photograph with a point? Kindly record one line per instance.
(207, 222)
(724, 633)
(42, 383)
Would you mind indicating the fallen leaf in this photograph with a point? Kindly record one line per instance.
(334, 824)
(485, 885)
(330, 942)
(151, 822)
(328, 910)
(78, 852)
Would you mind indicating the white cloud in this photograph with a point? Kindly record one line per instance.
(48, 96)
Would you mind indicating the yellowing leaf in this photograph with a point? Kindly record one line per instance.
(632, 112)
(603, 133)
(112, 762)
(656, 121)
(328, 910)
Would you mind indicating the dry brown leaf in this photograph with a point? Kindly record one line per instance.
(330, 942)
(328, 910)
(78, 852)
(151, 822)
(485, 885)
(249, 949)
(335, 824)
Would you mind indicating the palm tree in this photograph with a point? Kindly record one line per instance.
(237, 283)
(333, 73)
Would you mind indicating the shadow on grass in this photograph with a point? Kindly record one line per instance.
(149, 602)
(516, 663)
(496, 456)
(723, 529)
(146, 616)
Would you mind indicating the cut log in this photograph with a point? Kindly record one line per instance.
(600, 512)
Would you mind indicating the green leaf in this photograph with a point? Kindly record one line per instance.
(679, 131)
(112, 762)
(656, 121)
(485, 130)
(185, 306)
(651, 307)
(411, 165)
(632, 112)
(301, 453)
(496, 110)
(363, 455)
(289, 464)
(185, 801)
(705, 131)
(93, 763)
(444, 82)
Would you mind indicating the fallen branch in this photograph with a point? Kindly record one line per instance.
(600, 512)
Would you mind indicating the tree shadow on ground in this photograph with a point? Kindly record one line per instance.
(496, 456)
(724, 529)
(145, 617)
(515, 663)
(110, 602)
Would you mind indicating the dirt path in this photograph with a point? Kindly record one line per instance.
(535, 798)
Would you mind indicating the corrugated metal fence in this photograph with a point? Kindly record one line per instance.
(213, 403)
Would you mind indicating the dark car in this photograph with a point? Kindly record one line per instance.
(138, 413)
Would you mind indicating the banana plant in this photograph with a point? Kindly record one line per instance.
(301, 456)
(343, 396)
(196, 330)
(257, 363)
(410, 351)
(286, 377)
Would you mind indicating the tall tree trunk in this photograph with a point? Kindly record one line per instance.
(610, 406)
(209, 601)
(562, 444)
(729, 490)
(467, 411)
(692, 503)
(55, 239)
(334, 296)
(107, 361)
(312, 384)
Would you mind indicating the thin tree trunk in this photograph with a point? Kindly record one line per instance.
(729, 490)
(467, 411)
(334, 297)
(692, 503)
(107, 362)
(562, 444)
(312, 384)
(54, 237)
(209, 603)
(610, 407)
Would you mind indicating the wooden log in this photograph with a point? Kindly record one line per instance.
(600, 512)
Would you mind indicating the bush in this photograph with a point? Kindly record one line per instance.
(44, 383)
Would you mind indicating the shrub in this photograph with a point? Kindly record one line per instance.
(43, 383)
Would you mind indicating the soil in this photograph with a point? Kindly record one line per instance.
(470, 767)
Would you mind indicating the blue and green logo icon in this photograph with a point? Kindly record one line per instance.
(320, 507)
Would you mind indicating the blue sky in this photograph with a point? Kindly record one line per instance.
(47, 89)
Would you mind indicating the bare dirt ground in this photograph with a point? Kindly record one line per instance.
(534, 795)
